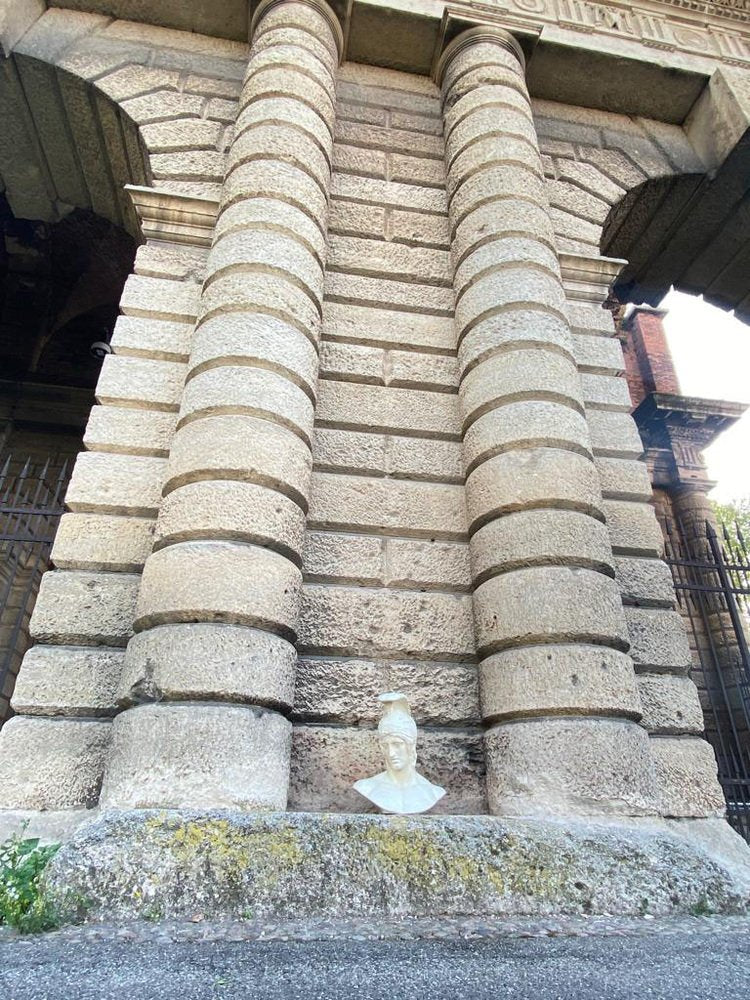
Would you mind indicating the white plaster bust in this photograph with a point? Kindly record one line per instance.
(399, 789)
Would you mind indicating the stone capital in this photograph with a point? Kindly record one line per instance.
(319, 6)
(477, 33)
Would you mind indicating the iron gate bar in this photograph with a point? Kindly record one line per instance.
(712, 583)
(31, 492)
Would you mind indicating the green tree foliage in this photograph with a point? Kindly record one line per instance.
(734, 512)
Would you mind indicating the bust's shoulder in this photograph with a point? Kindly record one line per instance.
(429, 792)
(365, 785)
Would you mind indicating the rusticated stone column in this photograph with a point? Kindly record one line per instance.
(210, 672)
(557, 686)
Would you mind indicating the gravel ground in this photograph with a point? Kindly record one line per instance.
(706, 958)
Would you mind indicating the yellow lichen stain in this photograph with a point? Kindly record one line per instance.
(424, 863)
(229, 850)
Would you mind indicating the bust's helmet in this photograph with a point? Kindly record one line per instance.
(397, 719)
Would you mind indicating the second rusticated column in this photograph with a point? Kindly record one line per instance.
(557, 686)
(210, 673)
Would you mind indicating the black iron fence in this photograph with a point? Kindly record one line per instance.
(31, 495)
(711, 573)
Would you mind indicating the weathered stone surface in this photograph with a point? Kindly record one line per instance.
(427, 564)
(346, 689)
(548, 604)
(523, 424)
(231, 510)
(518, 324)
(614, 435)
(296, 865)
(420, 229)
(544, 374)
(85, 609)
(205, 661)
(240, 447)
(219, 581)
(116, 484)
(143, 382)
(176, 136)
(274, 292)
(589, 767)
(130, 431)
(386, 293)
(102, 542)
(259, 214)
(633, 528)
(142, 337)
(251, 390)
(381, 408)
(644, 581)
(202, 756)
(542, 537)
(623, 479)
(387, 327)
(357, 452)
(608, 392)
(558, 680)
(333, 557)
(265, 341)
(380, 192)
(686, 777)
(51, 763)
(430, 461)
(412, 370)
(394, 260)
(387, 505)
(68, 680)
(670, 704)
(326, 761)
(159, 298)
(517, 285)
(267, 250)
(363, 622)
(598, 354)
(658, 640)
(526, 478)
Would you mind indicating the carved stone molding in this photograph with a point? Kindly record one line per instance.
(174, 218)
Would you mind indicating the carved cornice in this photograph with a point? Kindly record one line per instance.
(719, 8)
(174, 218)
(589, 278)
(665, 418)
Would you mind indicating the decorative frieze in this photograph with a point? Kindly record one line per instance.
(653, 25)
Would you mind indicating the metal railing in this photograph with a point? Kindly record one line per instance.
(31, 503)
(711, 574)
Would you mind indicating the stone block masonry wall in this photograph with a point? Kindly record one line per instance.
(113, 103)
(685, 763)
(592, 158)
(385, 600)
(54, 749)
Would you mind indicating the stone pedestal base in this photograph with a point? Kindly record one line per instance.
(284, 865)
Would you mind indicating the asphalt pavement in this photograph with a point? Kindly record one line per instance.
(706, 960)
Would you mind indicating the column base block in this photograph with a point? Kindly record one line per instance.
(149, 864)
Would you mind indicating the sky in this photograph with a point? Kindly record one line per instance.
(711, 351)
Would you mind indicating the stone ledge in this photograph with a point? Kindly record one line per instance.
(295, 865)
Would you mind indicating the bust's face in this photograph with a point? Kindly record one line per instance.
(397, 753)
